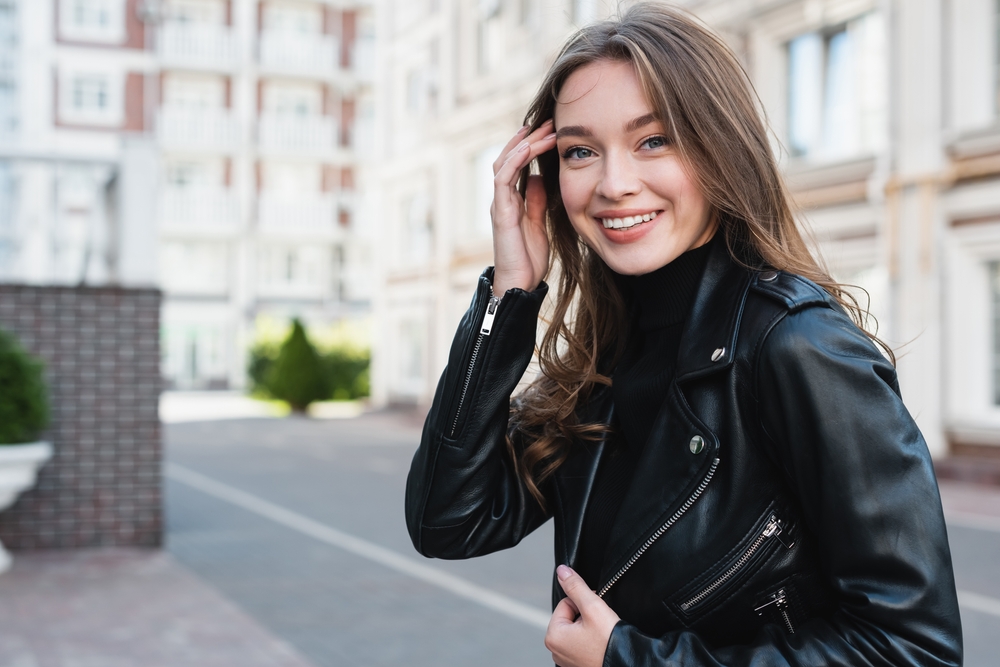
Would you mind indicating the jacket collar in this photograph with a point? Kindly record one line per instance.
(709, 335)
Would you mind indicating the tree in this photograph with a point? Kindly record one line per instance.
(298, 375)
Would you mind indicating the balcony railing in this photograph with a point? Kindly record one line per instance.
(201, 210)
(290, 133)
(207, 129)
(310, 214)
(299, 53)
(202, 45)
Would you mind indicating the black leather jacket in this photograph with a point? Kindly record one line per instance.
(784, 511)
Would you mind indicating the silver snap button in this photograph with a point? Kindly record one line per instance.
(768, 276)
(697, 444)
(718, 354)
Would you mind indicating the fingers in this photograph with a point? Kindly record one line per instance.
(514, 141)
(565, 612)
(535, 200)
(522, 154)
(511, 149)
(576, 589)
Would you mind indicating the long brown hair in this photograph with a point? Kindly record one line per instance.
(706, 102)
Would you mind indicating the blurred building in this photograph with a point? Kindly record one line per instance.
(210, 147)
(886, 118)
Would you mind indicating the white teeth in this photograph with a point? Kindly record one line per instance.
(628, 221)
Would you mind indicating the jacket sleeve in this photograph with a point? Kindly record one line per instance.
(849, 450)
(463, 495)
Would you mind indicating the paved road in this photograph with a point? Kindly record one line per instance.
(300, 523)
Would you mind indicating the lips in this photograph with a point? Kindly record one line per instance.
(625, 219)
(641, 223)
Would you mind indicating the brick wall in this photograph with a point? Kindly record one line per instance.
(101, 350)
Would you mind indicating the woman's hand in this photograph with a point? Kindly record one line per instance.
(520, 244)
(581, 624)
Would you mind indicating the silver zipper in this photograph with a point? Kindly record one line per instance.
(780, 601)
(662, 529)
(484, 330)
(772, 529)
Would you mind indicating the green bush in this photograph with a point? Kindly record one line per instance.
(344, 370)
(298, 375)
(348, 374)
(262, 356)
(24, 405)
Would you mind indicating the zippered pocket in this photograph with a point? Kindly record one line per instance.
(769, 534)
(485, 328)
(777, 605)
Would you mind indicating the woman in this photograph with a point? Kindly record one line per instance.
(732, 474)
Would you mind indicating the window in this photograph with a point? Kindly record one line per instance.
(837, 91)
(211, 12)
(296, 269)
(489, 34)
(8, 69)
(294, 99)
(195, 267)
(92, 98)
(417, 237)
(300, 18)
(92, 20)
(194, 92)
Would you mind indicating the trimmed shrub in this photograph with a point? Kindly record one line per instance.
(262, 357)
(298, 375)
(344, 369)
(24, 405)
(348, 373)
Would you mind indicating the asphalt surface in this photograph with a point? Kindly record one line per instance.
(299, 523)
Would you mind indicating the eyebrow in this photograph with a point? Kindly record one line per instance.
(581, 131)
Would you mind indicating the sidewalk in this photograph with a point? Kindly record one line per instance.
(124, 608)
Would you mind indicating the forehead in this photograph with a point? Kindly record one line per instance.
(599, 93)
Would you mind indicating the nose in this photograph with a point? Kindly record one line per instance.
(620, 177)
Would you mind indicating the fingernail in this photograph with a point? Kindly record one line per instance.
(551, 136)
(563, 572)
(523, 146)
(523, 128)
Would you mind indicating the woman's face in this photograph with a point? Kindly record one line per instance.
(625, 188)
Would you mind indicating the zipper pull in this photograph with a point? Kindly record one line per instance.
(773, 529)
(489, 316)
(778, 599)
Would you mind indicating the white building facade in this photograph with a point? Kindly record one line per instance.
(210, 147)
(886, 119)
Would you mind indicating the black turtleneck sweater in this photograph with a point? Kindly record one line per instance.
(659, 303)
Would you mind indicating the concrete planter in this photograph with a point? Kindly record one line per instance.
(19, 465)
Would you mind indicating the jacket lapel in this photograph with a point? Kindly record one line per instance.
(668, 471)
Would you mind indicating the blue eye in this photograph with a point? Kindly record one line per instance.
(658, 141)
(577, 152)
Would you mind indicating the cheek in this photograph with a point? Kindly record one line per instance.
(573, 192)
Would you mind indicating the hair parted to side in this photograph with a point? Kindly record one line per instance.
(706, 101)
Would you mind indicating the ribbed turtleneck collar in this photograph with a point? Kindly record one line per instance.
(663, 297)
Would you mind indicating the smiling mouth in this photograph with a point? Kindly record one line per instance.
(628, 221)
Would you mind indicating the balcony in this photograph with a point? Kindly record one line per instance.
(197, 129)
(299, 54)
(298, 215)
(295, 134)
(198, 46)
(199, 211)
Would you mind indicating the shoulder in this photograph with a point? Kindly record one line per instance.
(799, 321)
